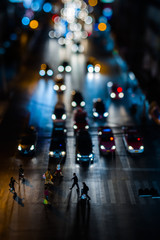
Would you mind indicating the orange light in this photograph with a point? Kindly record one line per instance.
(34, 24)
(111, 138)
(92, 3)
(43, 66)
(102, 26)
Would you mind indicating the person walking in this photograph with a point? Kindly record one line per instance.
(21, 173)
(75, 181)
(85, 190)
(11, 184)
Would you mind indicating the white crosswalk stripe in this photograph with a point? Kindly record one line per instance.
(130, 192)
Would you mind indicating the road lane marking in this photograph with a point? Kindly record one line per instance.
(130, 191)
(111, 191)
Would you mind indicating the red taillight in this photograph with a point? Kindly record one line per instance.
(138, 139)
(111, 138)
(119, 89)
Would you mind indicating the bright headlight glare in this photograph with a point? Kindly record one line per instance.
(97, 68)
(91, 155)
(82, 104)
(121, 95)
(95, 114)
(112, 95)
(64, 116)
(130, 148)
(56, 87)
(42, 73)
(51, 153)
(19, 147)
(53, 116)
(113, 147)
(68, 69)
(63, 153)
(74, 104)
(49, 72)
(86, 127)
(105, 114)
(75, 126)
(78, 155)
(141, 147)
(63, 87)
(90, 69)
(60, 68)
(102, 147)
(32, 147)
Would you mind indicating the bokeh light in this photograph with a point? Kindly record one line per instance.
(34, 24)
(47, 7)
(92, 3)
(25, 21)
(102, 26)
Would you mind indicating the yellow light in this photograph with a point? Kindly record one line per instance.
(43, 66)
(92, 2)
(102, 26)
(34, 24)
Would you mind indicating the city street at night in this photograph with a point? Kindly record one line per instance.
(108, 136)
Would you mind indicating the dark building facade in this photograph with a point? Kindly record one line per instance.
(136, 26)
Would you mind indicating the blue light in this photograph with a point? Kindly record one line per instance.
(25, 21)
(6, 44)
(47, 7)
(35, 6)
(107, 12)
(60, 145)
(106, 130)
(2, 51)
(27, 3)
(13, 36)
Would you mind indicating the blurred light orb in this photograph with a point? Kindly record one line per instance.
(88, 20)
(47, 7)
(35, 6)
(84, 34)
(2, 51)
(51, 34)
(54, 16)
(107, 12)
(25, 21)
(102, 19)
(102, 26)
(13, 36)
(109, 84)
(34, 24)
(92, 3)
(42, 73)
(7, 44)
(49, 72)
(27, 3)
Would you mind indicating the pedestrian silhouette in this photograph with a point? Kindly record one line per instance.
(11, 185)
(85, 190)
(75, 181)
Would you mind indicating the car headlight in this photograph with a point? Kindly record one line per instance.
(32, 147)
(63, 87)
(102, 147)
(78, 155)
(19, 147)
(97, 68)
(105, 114)
(49, 72)
(95, 114)
(91, 155)
(75, 126)
(121, 95)
(86, 127)
(63, 153)
(74, 104)
(82, 104)
(53, 116)
(99, 133)
(130, 148)
(68, 68)
(64, 116)
(42, 73)
(56, 87)
(112, 95)
(113, 147)
(141, 147)
(60, 68)
(90, 68)
(51, 153)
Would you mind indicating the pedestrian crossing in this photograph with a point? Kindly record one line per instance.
(102, 192)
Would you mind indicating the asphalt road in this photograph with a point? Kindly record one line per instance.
(115, 210)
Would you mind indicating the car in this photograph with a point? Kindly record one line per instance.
(93, 66)
(133, 140)
(59, 114)
(106, 140)
(59, 86)
(77, 47)
(84, 147)
(45, 70)
(116, 91)
(99, 109)
(80, 120)
(57, 148)
(154, 112)
(77, 99)
(64, 67)
(28, 141)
